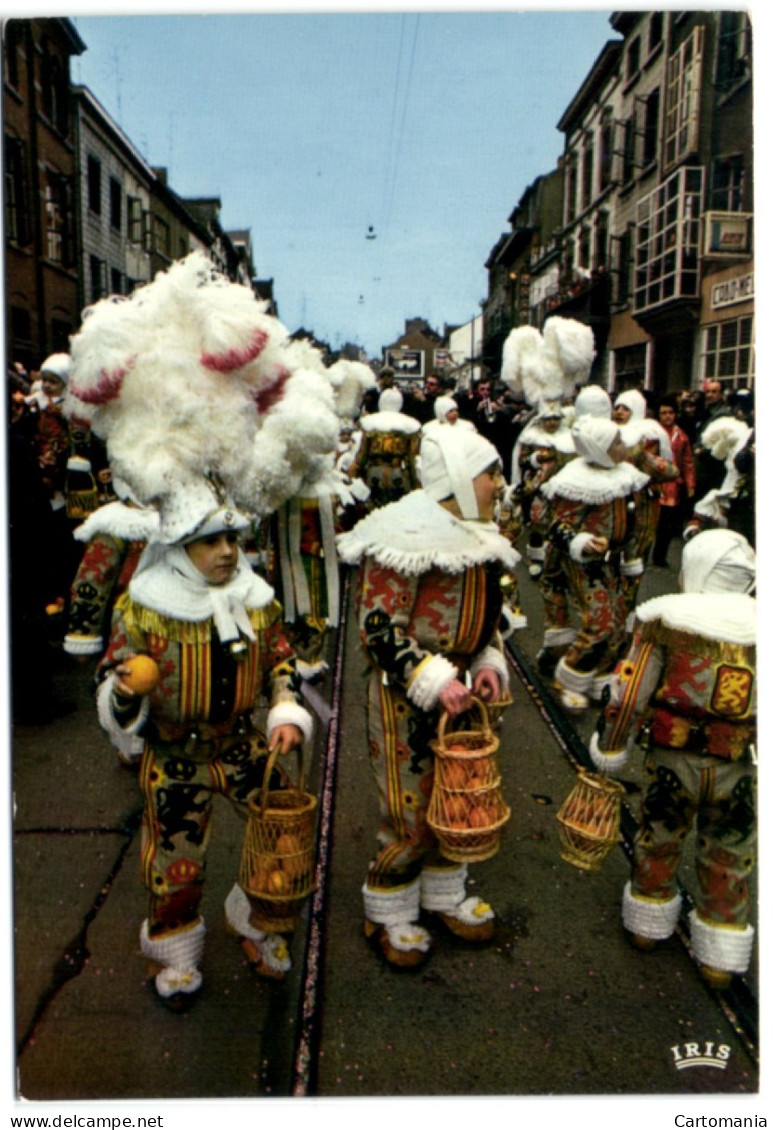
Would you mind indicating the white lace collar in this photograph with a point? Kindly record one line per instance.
(581, 482)
(416, 534)
(174, 587)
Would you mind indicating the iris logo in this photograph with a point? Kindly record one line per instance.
(700, 1055)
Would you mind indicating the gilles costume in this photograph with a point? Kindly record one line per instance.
(218, 649)
(388, 449)
(428, 602)
(688, 689)
(212, 415)
(558, 624)
(537, 456)
(593, 497)
(648, 448)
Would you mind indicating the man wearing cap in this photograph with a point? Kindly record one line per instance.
(214, 630)
(688, 686)
(428, 602)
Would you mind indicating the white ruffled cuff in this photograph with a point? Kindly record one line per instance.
(607, 762)
(428, 680)
(390, 907)
(106, 706)
(577, 546)
(491, 657)
(632, 568)
(82, 645)
(290, 713)
(720, 946)
(651, 918)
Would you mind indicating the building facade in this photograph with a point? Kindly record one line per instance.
(40, 182)
(114, 202)
(653, 245)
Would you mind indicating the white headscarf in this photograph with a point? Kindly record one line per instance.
(390, 400)
(593, 401)
(444, 405)
(449, 460)
(718, 561)
(633, 400)
(173, 586)
(593, 436)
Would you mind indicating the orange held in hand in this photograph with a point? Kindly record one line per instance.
(143, 676)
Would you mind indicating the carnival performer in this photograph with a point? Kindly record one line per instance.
(389, 446)
(592, 504)
(688, 687)
(447, 413)
(114, 537)
(428, 601)
(559, 629)
(546, 369)
(210, 414)
(648, 449)
(724, 440)
(543, 447)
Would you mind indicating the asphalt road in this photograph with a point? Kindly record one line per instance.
(558, 1005)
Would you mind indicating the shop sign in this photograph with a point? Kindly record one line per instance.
(727, 293)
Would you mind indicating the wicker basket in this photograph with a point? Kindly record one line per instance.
(467, 809)
(496, 709)
(588, 821)
(277, 862)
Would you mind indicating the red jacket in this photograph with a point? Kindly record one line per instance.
(683, 457)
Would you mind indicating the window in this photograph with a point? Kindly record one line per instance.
(682, 99)
(585, 248)
(624, 262)
(571, 188)
(13, 39)
(606, 149)
(633, 59)
(96, 289)
(628, 150)
(728, 184)
(668, 239)
(655, 30)
(94, 177)
(115, 198)
(16, 219)
(650, 127)
(54, 89)
(601, 242)
(134, 219)
(161, 236)
(733, 59)
(59, 233)
(587, 171)
(61, 332)
(116, 281)
(728, 352)
(629, 366)
(21, 325)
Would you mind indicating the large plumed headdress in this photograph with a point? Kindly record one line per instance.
(547, 366)
(200, 395)
(350, 381)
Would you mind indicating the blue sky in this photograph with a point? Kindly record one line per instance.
(310, 127)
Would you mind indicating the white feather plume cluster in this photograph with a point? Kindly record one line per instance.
(725, 437)
(547, 366)
(189, 377)
(350, 381)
